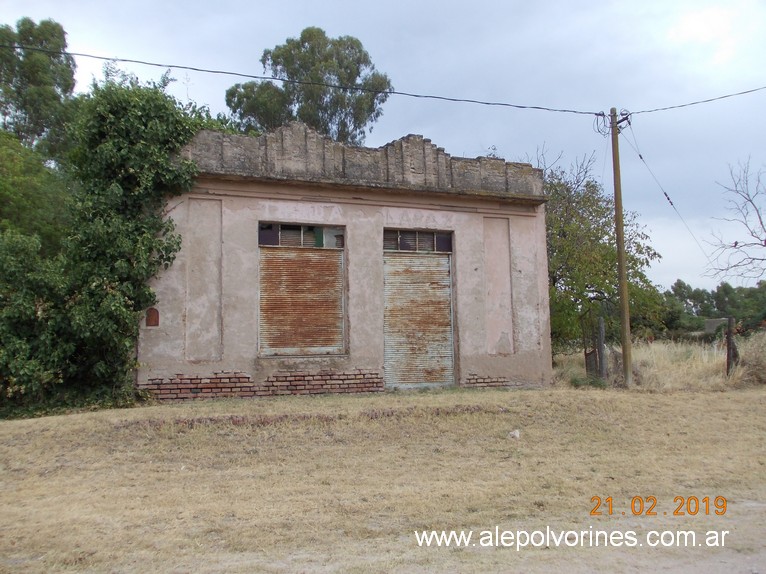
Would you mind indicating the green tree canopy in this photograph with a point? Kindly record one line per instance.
(687, 307)
(697, 302)
(33, 197)
(746, 304)
(34, 84)
(311, 64)
(582, 254)
(68, 325)
(35, 349)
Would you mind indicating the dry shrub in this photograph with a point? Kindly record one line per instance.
(567, 368)
(674, 366)
(752, 364)
(666, 366)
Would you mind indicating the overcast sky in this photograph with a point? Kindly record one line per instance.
(589, 56)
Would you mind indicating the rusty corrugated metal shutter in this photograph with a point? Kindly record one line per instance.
(418, 319)
(301, 301)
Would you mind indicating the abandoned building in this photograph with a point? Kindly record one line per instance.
(308, 266)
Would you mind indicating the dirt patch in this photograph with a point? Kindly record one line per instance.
(341, 484)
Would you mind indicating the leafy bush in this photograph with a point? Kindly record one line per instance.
(31, 194)
(68, 325)
(32, 354)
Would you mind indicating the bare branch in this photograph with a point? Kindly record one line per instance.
(743, 255)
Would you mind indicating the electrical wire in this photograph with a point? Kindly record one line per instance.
(300, 82)
(600, 122)
(698, 102)
(665, 193)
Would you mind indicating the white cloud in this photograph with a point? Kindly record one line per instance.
(710, 28)
(718, 40)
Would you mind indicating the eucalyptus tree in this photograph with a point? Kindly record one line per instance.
(330, 84)
(36, 79)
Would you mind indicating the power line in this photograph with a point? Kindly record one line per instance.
(301, 82)
(599, 116)
(599, 119)
(698, 102)
(665, 193)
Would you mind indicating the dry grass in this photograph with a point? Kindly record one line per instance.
(752, 367)
(672, 366)
(340, 483)
(667, 366)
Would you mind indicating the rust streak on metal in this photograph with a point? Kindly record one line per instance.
(418, 319)
(301, 300)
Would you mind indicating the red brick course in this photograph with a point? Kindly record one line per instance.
(474, 380)
(238, 384)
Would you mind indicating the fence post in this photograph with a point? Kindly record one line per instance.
(601, 349)
(732, 355)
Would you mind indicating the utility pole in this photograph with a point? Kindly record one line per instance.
(622, 271)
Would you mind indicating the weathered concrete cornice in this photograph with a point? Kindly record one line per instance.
(295, 153)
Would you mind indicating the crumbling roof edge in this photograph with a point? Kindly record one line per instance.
(298, 154)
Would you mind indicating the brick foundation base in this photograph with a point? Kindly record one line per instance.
(474, 380)
(237, 384)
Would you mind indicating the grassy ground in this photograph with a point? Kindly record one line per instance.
(340, 484)
(664, 366)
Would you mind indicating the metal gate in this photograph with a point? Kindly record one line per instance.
(417, 326)
(301, 308)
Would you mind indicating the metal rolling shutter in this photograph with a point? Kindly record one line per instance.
(301, 301)
(418, 319)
